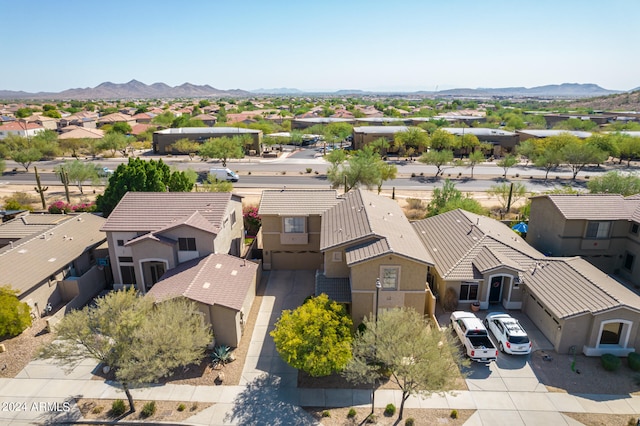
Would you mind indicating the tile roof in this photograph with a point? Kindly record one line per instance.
(594, 206)
(216, 279)
(364, 216)
(152, 211)
(194, 220)
(572, 286)
(297, 201)
(82, 133)
(457, 242)
(35, 258)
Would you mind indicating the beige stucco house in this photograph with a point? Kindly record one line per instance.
(604, 229)
(56, 260)
(222, 286)
(150, 233)
(574, 304)
(366, 238)
(291, 226)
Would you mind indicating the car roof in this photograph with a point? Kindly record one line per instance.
(512, 325)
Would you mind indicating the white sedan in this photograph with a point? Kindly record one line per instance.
(511, 337)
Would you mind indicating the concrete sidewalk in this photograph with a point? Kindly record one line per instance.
(502, 394)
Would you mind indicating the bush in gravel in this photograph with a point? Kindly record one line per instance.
(182, 407)
(326, 413)
(148, 410)
(409, 422)
(352, 413)
(390, 410)
(610, 362)
(634, 361)
(454, 414)
(117, 408)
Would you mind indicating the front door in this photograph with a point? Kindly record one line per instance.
(496, 289)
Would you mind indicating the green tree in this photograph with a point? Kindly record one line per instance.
(186, 146)
(165, 119)
(186, 121)
(508, 193)
(474, 159)
(315, 337)
(140, 176)
(605, 143)
(46, 142)
(15, 316)
(418, 357)
(24, 112)
(122, 128)
(413, 137)
(507, 162)
(615, 183)
(387, 172)
(362, 169)
(222, 149)
(214, 185)
(114, 142)
(578, 153)
(450, 198)
(441, 139)
(141, 341)
(73, 146)
(3, 166)
(629, 147)
(438, 159)
(78, 172)
(380, 145)
(26, 156)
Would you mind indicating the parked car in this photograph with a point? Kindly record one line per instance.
(105, 172)
(474, 336)
(511, 337)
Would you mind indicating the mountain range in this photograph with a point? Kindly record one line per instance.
(138, 90)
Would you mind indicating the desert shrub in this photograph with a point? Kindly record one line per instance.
(181, 407)
(309, 169)
(415, 203)
(450, 302)
(19, 201)
(389, 410)
(351, 414)
(194, 407)
(415, 214)
(59, 207)
(97, 409)
(454, 414)
(371, 419)
(634, 361)
(326, 413)
(148, 410)
(15, 316)
(610, 362)
(222, 354)
(118, 408)
(409, 422)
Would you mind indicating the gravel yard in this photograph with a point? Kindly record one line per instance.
(21, 349)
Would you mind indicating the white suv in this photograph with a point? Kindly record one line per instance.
(511, 337)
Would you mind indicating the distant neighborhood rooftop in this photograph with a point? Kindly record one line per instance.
(207, 130)
(548, 133)
(381, 130)
(477, 131)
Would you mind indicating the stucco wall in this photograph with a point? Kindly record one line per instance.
(279, 255)
(546, 225)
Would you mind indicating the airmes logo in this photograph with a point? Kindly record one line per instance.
(51, 406)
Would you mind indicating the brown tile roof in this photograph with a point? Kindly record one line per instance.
(297, 201)
(116, 117)
(194, 220)
(152, 211)
(33, 259)
(457, 242)
(364, 216)
(572, 286)
(216, 279)
(82, 133)
(594, 206)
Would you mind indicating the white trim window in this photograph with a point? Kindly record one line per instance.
(468, 291)
(598, 230)
(389, 277)
(614, 333)
(293, 225)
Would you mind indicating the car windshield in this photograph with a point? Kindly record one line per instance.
(516, 340)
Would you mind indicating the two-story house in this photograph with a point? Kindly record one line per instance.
(604, 229)
(291, 225)
(366, 239)
(151, 232)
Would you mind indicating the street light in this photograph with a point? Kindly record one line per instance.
(375, 345)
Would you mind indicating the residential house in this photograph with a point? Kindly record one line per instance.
(20, 128)
(84, 119)
(47, 123)
(116, 117)
(75, 132)
(222, 286)
(575, 305)
(291, 227)
(367, 239)
(27, 225)
(150, 233)
(58, 263)
(208, 119)
(604, 229)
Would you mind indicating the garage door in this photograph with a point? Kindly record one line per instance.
(542, 318)
(296, 260)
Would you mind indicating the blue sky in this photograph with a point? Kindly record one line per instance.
(321, 45)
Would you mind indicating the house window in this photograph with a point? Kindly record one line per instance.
(124, 259)
(468, 291)
(634, 228)
(337, 256)
(598, 230)
(389, 277)
(233, 218)
(128, 274)
(628, 261)
(611, 333)
(120, 243)
(187, 244)
(294, 225)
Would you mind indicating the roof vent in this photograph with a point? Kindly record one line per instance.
(206, 284)
(234, 272)
(218, 265)
(53, 259)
